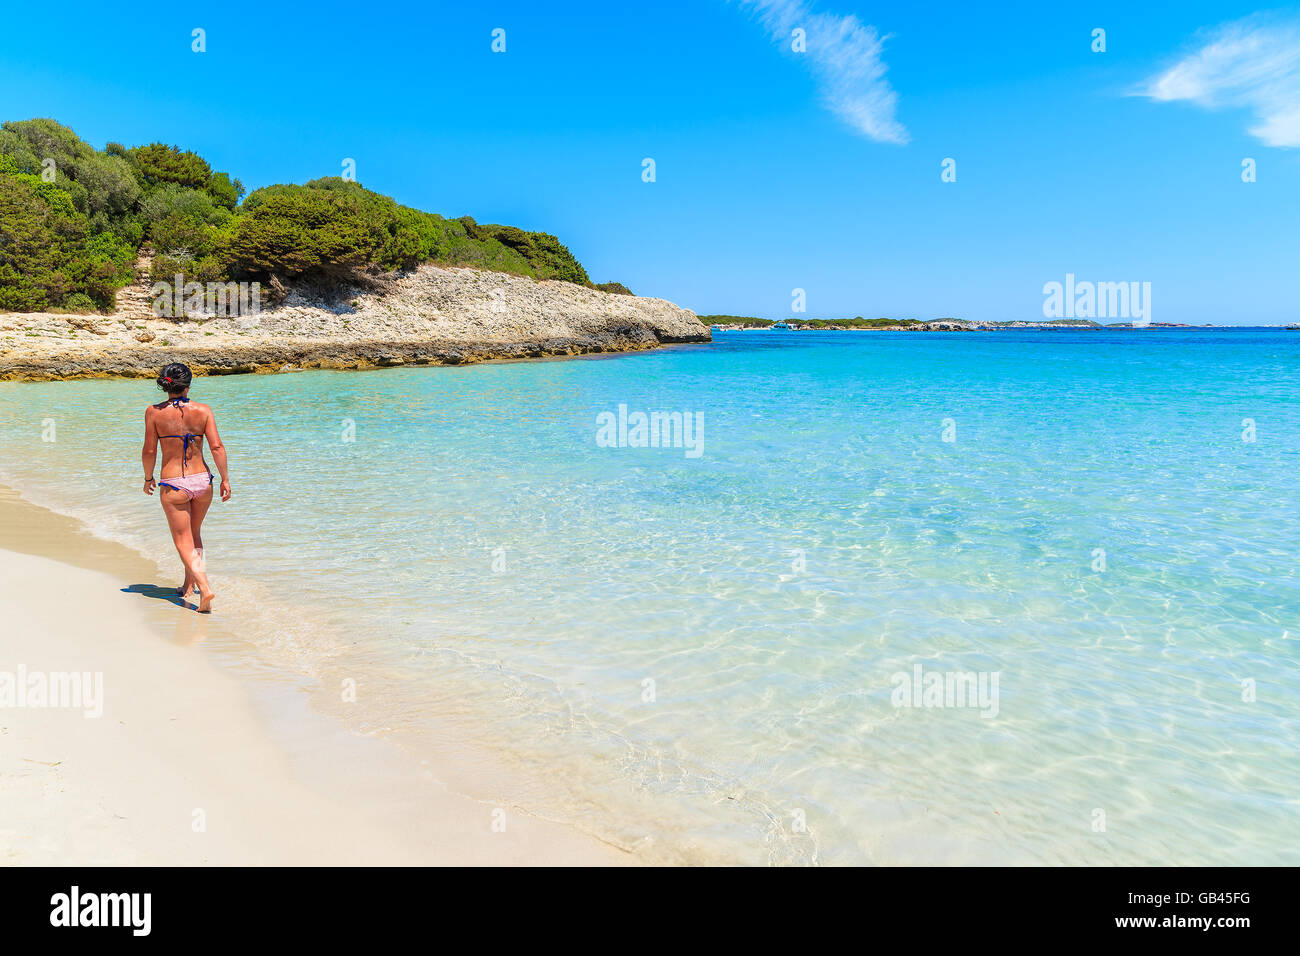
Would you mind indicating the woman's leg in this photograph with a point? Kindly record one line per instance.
(176, 506)
(198, 511)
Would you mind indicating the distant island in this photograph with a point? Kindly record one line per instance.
(734, 323)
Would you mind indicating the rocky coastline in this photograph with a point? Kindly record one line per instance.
(435, 315)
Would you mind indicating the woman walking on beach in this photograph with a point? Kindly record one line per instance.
(185, 486)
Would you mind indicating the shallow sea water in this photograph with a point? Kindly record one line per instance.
(699, 657)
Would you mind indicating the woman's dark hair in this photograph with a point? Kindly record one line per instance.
(175, 378)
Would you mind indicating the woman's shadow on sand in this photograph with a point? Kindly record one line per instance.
(160, 593)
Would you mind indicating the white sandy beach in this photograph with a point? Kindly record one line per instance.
(191, 763)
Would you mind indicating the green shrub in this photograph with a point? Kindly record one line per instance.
(547, 256)
(158, 163)
(75, 238)
(294, 231)
(97, 182)
(184, 201)
(225, 191)
(110, 185)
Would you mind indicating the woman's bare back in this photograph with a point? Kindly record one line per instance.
(172, 422)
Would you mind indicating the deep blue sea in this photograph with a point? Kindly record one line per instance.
(1010, 597)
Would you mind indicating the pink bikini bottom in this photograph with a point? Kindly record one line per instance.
(191, 485)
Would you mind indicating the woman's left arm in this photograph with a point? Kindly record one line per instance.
(218, 453)
(149, 453)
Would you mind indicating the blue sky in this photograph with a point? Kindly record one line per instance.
(775, 170)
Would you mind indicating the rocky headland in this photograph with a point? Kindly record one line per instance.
(434, 315)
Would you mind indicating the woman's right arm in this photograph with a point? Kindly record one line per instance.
(149, 453)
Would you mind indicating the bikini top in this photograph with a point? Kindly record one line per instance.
(187, 437)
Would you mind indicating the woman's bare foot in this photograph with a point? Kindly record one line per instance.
(205, 602)
(184, 589)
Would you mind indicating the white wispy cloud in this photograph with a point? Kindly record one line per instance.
(1253, 64)
(844, 56)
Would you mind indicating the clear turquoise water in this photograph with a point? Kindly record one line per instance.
(827, 539)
